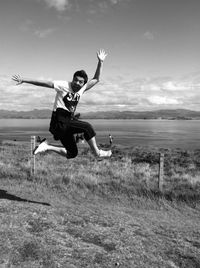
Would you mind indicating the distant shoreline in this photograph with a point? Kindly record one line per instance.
(100, 118)
(174, 114)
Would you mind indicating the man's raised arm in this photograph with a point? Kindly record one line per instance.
(41, 83)
(101, 55)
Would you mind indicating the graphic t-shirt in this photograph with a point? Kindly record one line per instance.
(65, 97)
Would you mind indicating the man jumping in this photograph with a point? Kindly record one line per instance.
(63, 123)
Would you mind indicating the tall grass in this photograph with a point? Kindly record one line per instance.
(131, 171)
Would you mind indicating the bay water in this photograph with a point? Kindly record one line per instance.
(182, 134)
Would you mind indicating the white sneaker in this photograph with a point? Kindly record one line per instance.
(105, 153)
(41, 148)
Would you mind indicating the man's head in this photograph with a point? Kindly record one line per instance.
(80, 78)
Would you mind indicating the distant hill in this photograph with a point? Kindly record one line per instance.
(157, 114)
(36, 113)
(181, 114)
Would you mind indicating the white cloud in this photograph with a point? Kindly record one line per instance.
(150, 87)
(148, 35)
(42, 33)
(115, 93)
(101, 6)
(90, 6)
(59, 5)
(162, 100)
(30, 27)
(173, 86)
(24, 96)
(114, 2)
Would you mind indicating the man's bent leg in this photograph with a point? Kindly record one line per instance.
(77, 126)
(59, 150)
(93, 145)
(100, 153)
(69, 143)
(45, 147)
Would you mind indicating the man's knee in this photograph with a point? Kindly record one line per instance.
(89, 131)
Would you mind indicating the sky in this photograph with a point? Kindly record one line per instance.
(153, 51)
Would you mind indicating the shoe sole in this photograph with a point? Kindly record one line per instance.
(38, 146)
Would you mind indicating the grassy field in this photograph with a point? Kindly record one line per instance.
(99, 214)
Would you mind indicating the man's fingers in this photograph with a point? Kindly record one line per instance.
(102, 54)
(17, 78)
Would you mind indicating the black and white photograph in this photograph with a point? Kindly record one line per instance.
(100, 133)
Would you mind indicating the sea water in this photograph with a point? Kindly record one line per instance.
(135, 132)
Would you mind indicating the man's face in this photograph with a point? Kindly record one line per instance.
(77, 83)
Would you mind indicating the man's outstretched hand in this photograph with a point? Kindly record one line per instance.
(18, 79)
(101, 55)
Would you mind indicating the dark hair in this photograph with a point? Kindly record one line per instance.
(82, 74)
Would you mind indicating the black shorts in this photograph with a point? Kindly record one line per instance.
(63, 126)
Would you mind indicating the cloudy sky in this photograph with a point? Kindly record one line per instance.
(153, 50)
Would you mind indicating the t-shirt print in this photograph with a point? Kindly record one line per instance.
(71, 100)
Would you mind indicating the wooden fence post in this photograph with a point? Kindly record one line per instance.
(161, 172)
(32, 155)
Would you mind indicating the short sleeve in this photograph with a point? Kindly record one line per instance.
(60, 86)
(82, 90)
